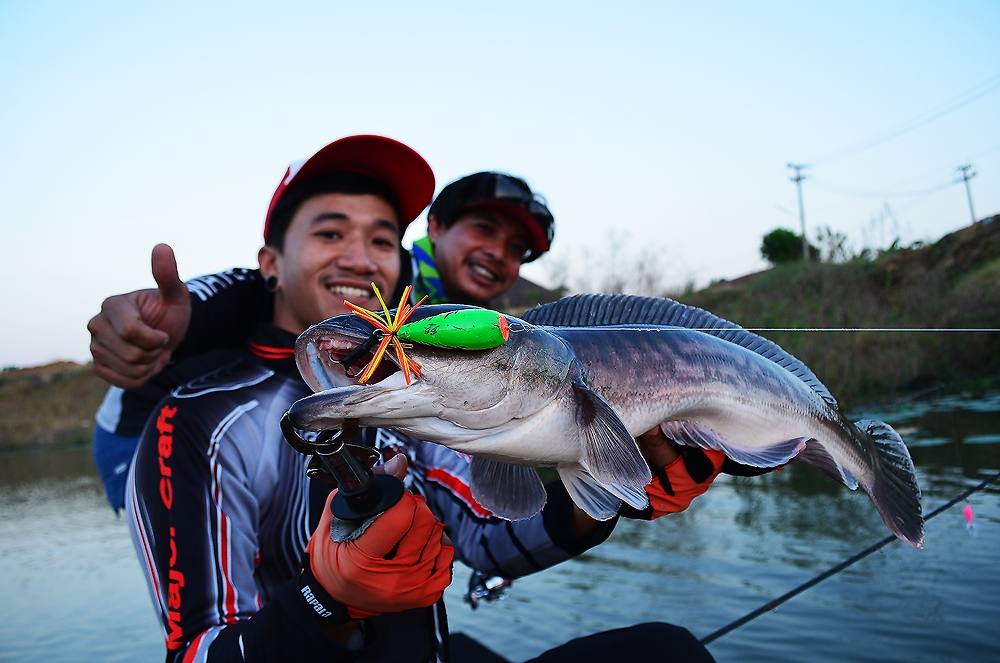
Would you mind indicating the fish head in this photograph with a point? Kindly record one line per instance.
(473, 389)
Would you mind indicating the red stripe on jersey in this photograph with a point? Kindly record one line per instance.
(193, 649)
(270, 352)
(151, 568)
(459, 488)
(230, 603)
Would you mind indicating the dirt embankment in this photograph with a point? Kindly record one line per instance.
(951, 284)
(48, 405)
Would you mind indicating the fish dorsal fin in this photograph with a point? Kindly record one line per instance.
(513, 492)
(605, 310)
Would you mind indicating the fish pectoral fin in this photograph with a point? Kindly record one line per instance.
(815, 454)
(698, 435)
(512, 492)
(594, 498)
(610, 453)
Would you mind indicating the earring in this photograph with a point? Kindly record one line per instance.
(271, 283)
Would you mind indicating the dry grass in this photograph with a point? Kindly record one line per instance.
(954, 283)
(48, 405)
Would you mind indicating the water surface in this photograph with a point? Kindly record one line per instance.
(72, 588)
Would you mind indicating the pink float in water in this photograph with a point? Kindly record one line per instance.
(970, 520)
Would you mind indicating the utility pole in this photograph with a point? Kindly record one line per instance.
(967, 174)
(797, 178)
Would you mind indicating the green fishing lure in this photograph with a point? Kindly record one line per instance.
(465, 329)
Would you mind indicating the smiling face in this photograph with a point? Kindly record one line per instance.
(479, 255)
(335, 246)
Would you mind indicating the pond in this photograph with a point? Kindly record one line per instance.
(72, 588)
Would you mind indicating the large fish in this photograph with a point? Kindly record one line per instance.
(580, 378)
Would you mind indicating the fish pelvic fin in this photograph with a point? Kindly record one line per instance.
(600, 502)
(693, 434)
(512, 492)
(894, 490)
(610, 453)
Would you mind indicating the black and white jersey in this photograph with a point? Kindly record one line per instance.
(221, 511)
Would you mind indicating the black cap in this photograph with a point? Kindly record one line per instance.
(504, 193)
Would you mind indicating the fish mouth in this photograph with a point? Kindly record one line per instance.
(329, 357)
(333, 353)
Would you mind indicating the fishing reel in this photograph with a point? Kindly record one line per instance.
(361, 494)
(484, 587)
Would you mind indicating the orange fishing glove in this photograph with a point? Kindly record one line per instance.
(397, 561)
(674, 487)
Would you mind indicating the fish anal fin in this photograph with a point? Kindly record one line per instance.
(815, 454)
(698, 435)
(610, 453)
(510, 491)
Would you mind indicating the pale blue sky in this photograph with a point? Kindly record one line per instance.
(666, 124)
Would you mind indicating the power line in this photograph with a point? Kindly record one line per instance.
(974, 93)
(887, 194)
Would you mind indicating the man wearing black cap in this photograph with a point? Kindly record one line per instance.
(481, 229)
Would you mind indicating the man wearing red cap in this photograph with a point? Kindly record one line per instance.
(235, 541)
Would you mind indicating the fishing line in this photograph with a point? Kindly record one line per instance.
(517, 328)
(774, 603)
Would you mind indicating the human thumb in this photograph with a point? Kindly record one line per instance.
(172, 289)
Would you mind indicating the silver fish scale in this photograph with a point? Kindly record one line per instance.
(663, 314)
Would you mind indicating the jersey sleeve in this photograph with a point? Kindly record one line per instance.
(483, 541)
(225, 307)
(193, 513)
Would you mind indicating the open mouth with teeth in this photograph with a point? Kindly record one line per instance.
(349, 292)
(350, 349)
(483, 272)
(328, 359)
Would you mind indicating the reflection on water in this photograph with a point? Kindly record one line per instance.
(73, 590)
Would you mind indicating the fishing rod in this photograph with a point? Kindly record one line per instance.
(774, 603)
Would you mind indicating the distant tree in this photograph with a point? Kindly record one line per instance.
(782, 245)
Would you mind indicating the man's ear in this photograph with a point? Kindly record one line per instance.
(434, 227)
(269, 259)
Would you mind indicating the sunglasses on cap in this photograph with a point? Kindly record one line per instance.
(511, 191)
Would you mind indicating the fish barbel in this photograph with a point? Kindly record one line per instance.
(579, 379)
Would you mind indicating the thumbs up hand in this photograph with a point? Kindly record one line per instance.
(133, 336)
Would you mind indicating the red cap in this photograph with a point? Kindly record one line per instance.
(405, 172)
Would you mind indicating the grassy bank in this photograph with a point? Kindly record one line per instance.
(48, 405)
(954, 283)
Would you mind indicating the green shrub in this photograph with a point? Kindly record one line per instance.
(782, 245)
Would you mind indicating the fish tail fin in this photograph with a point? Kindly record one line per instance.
(894, 490)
